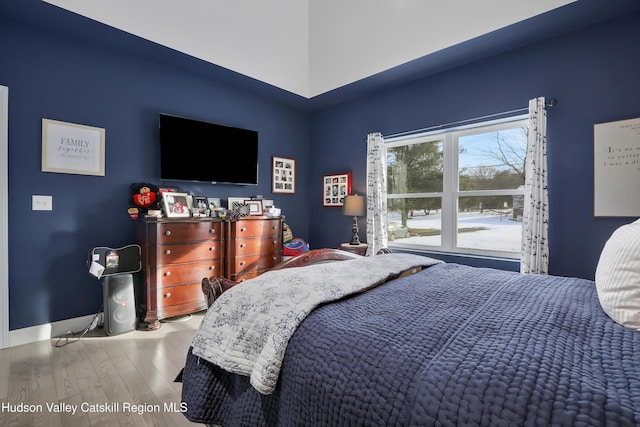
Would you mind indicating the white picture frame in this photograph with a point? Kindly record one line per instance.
(176, 205)
(283, 175)
(616, 168)
(72, 148)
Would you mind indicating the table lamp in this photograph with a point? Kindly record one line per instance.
(354, 206)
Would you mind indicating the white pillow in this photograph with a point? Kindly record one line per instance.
(618, 276)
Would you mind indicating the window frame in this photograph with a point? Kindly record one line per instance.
(450, 194)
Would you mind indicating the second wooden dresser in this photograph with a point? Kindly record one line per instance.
(176, 255)
(254, 245)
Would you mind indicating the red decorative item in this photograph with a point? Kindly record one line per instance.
(146, 199)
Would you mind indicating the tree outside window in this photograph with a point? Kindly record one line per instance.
(459, 190)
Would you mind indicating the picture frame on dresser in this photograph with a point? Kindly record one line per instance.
(200, 202)
(176, 205)
(214, 202)
(255, 206)
(335, 187)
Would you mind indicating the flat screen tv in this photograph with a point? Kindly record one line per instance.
(193, 150)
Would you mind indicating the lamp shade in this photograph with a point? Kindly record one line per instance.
(354, 205)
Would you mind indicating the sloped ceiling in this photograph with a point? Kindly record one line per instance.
(309, 47)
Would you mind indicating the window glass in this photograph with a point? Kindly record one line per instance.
(416, 221)
(491, 223)
(460, 190)
(415, 168)
(492, 160)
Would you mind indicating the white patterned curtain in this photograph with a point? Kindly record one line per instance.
(535, 221)
(376, 194)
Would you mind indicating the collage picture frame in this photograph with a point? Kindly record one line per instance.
(335, 187)
(283, 176)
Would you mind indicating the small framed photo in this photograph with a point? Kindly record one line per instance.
(266, 204)
(283, 175)
(214, 202)
(255, 206)
(176, 205)
(231, 201)
(200, 202)
(335, 188)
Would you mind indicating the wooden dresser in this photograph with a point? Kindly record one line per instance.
(176, 255)
(254, 245)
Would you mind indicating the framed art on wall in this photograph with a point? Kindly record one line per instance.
(283, 177)
(335, 188)
(72, 148)
(176, 205)
(616, 168)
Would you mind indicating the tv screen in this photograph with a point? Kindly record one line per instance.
(193, 150)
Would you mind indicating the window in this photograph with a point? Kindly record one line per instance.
(459, 190)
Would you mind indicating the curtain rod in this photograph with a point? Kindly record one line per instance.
(552, 102)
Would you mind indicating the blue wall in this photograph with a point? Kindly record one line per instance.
(63, 68)
(54, 76)
(593, 73)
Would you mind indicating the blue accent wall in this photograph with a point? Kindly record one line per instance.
(60, 66)
(592, 72)
(58, 77)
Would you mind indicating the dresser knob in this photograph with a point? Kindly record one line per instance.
(168, 251)
(213, 267)
(167, 295)
(241, 263)
(167, 233)
(243, 229)
(242, 245)
(212, 248)
(167, 273)
(212, 231)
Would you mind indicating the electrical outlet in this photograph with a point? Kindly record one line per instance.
(41, 203)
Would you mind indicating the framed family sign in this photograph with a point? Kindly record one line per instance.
(72, 148)
(335, 188)
(283, 175)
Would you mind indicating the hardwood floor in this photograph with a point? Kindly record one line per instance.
(121, 380)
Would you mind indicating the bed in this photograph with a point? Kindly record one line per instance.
(427, 343)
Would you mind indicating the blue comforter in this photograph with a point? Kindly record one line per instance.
(451, 345)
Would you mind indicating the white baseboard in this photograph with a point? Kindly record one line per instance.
(47, 331)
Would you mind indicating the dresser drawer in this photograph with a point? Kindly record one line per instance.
(241, 264)
(188, 231)
(188, 252)
(252, 246)
(255, 228)
(242, 276)
(171, 275)
(179, 300)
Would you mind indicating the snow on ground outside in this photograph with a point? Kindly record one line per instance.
(500, 233)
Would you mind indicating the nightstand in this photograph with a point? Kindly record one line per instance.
(360, 249)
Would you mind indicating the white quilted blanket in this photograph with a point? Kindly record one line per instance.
(247, 329)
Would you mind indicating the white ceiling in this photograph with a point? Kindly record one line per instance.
(309, 47)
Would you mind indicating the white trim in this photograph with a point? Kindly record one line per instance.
(50, 330)
(4, 217)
